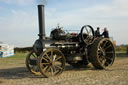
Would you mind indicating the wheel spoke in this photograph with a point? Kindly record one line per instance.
(48, 57)
(99, 54)
(102, 58)
(54, 69)
(58, 58)
(109, 58)
(45, 59)
(54, 57)
(59, 67)
(37, 69)
(100, 47)
(91, 37)
(104, 44)
(87, 31)
(48, 69)
(51, 55)
(103, 61)
(89, 40)
(107, 63)
(34, 56)
(51, 71)
(45, 63)
(45, 68)
(108, 47)
(90, 31)
(28, 61)
(88, 37)
(109, 52)
(34, 68)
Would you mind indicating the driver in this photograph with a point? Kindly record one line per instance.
(105, 33)
(97, 32)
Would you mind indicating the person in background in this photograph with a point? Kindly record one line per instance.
(97, 32)
(105, 33)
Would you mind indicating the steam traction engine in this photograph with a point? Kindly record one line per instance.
(50, 54)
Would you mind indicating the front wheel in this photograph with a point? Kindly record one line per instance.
(51, 62)
(102, 53)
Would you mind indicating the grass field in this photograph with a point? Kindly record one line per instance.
(17, 58)
(20, 57)
(121, 54)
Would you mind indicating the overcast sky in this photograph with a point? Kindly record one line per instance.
(19, 20)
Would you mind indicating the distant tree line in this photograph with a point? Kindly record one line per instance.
(121, 48)
(25, 49)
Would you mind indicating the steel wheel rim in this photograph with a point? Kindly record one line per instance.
(51, 63)
(106, 53)
(32, 68)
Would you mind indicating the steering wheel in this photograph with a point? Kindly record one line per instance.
(87, 34)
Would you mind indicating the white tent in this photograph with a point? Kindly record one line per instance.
(6, 50)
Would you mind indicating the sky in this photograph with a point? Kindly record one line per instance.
(19, 18)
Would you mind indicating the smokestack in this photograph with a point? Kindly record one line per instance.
(41, 16)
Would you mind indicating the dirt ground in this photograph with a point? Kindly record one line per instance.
(15, 73)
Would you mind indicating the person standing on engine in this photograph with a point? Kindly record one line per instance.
(105, 33)
(97, 32)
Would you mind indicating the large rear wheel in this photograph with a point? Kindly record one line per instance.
(102, 53)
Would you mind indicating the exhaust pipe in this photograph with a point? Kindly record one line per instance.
(39, 44)
(41, 16)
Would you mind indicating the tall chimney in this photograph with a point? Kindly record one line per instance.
(41, 16)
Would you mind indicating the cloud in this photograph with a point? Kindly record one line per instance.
(19, 29)
(18, 2)
(116, 9)
(19, 19)
(121, 3)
